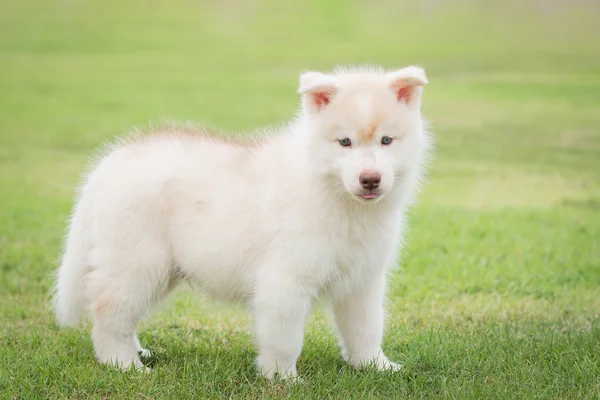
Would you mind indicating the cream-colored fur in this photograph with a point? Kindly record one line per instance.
(275, 223)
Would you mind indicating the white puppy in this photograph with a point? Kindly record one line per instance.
(315, 210)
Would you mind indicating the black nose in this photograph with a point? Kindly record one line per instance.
(370, 180)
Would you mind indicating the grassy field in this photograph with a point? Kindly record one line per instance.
(499, 294)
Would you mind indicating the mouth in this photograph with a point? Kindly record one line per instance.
(370, 195)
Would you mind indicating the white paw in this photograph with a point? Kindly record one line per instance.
(137, 368)
(292, 380)
(289, 375)
(381, 363)
(133, 364)
(145, 353)
(391, 366)
(141, 370)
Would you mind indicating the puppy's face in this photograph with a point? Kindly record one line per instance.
(366, 128)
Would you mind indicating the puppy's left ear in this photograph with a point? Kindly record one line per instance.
(407, 83)
(317, 90)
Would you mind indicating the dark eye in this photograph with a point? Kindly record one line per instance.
(386, 140)
(345, 142)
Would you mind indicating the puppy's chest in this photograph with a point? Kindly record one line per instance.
(362, 250)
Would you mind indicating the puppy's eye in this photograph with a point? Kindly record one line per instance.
(345, 142)
(386, 140)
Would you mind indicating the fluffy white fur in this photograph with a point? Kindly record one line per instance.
(274, 223)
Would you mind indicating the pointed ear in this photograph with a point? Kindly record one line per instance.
(317, 89)
(407, 83)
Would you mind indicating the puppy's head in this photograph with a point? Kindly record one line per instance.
(365, 127)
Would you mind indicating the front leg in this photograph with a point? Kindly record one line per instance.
(359, 319)
(280, 309)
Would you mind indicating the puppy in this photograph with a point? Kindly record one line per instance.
(276, 220)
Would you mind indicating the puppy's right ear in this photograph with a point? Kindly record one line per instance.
(317, 90)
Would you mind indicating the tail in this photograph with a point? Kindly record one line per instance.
(68, 299)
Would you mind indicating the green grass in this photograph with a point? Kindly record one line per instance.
(499, 291)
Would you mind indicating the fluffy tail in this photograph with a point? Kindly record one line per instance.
(68, 300)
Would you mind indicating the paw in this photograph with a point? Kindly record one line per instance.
(381, 363)
(119, 363)
(277, 375)
(145, 353)
(389, 366)
(289, 379)
(272, 373)
(141, 369)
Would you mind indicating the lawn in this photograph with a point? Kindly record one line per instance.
(498, 295)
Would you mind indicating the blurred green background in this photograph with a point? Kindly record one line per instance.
(499, 294)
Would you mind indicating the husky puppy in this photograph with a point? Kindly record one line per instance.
(314, 210)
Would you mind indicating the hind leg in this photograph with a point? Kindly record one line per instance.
(119, 299)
